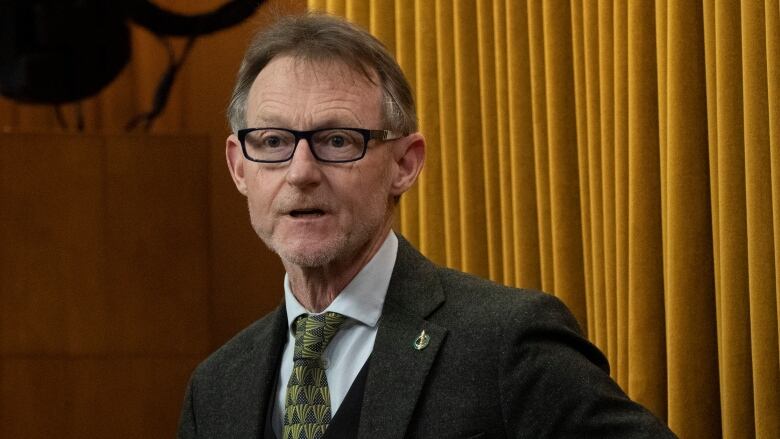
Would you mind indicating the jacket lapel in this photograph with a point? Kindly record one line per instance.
(255, 383)
(398, 369)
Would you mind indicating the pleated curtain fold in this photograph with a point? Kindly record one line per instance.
(624, 156)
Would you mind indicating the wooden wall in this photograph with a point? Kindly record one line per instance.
(124, 261)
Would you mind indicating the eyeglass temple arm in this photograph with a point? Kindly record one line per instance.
(385, 135)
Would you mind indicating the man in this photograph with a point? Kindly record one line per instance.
(373, 340)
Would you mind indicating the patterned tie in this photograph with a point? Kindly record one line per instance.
(307, 406)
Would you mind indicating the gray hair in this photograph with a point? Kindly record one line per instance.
(317, 37)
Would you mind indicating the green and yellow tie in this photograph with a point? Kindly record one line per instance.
(307, 405)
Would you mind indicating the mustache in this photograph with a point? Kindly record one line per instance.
(288, 203)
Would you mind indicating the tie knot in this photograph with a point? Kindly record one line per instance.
(313, 333)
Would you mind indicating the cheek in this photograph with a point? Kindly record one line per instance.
(375, 174)
(371, 190)
(258, 203)
(363, 188)
(254, 213)
(262, 187)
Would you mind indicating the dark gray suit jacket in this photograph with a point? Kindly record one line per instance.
(501, 363)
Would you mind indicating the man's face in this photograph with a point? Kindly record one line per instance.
(313, 213)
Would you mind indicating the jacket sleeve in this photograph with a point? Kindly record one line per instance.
(555, 384)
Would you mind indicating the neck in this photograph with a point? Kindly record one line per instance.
(317, 287)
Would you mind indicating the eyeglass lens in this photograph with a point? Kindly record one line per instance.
(329, 144)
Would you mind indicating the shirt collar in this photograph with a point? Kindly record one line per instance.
(362, 299)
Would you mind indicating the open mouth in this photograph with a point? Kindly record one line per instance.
(306, 213)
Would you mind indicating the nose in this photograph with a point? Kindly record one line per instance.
(303, 168)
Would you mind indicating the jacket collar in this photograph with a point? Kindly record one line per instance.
(258, 371)
(399, 370)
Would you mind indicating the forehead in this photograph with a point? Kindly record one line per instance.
(305, 94)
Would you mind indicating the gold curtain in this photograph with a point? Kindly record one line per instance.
(624, 156)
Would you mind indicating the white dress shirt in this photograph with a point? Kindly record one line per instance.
(361, 302)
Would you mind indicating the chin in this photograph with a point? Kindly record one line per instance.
(306, 260)
(313, 249)
(310, 254)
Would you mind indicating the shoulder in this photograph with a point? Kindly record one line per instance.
(475, 310)
(243, 347)
(459, 298)
(522, 319)
(518, 308)
(417, 279)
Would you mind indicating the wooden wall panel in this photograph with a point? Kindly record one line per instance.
(49, 193)
(156, 212)
(122, 265)
(34, 400)
(92, 397)
(105, 248)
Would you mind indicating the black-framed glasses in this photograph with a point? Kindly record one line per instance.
(331, 145)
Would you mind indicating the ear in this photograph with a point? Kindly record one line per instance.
(235, 162)
(409, 156)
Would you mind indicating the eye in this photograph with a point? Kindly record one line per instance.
(273, 139)
(337, 141)
(271, 142)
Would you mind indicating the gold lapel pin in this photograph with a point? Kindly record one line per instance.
(422, 340)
